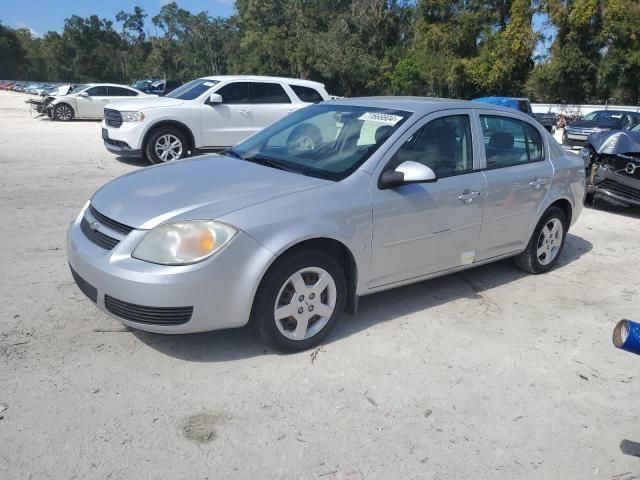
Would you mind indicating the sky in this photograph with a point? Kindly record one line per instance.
(40, 16)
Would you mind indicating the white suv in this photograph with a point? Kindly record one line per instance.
(206, 113)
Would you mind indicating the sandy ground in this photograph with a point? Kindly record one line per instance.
(488, 374)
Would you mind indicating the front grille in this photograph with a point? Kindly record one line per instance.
(113, 118)
(620, 190)
(117, 143)
(109, 223)
(99, 238)
(148, 315)
(86, 288)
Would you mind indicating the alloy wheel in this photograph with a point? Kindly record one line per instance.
(549, 241)
(168, 148)
(63, 113)
(305, 303)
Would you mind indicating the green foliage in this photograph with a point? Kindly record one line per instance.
(448, 48)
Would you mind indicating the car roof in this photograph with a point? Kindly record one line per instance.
(418, 104)
(107, 85)
(294, 81)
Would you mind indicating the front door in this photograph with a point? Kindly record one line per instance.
(518, 174)
(92, 106)
(424, 228)
(269, 103)
(227, 123)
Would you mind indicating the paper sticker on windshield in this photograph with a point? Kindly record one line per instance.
(381, 118)
(208, 84)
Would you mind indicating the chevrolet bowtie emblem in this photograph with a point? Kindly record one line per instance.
(94, 225)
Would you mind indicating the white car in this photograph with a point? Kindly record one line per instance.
(88, 101)
(205, 114)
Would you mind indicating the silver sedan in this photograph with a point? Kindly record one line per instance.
(338, 200)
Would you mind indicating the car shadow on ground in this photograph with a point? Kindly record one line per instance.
(134, 162)
(232, 344)
(604, 205)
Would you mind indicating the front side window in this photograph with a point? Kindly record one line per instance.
(324, 141)
(268, 93)
(508, 141)
(444, 145)
(98, 92)
(193, 89)
(236, 93)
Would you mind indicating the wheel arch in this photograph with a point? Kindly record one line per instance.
(170, 123)
(329, 245)
(68, 104)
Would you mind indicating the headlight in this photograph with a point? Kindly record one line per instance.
(182, 243)
(132, 116)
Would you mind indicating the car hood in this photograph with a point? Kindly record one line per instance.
(150, 101)
(206, 187)
(594, 124)
(616, 142)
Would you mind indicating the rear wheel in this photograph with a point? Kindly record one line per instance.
(166, 144)
(300, 300)
(546, 243)
(63, 112)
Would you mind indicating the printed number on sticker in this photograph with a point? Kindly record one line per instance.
(380, 117)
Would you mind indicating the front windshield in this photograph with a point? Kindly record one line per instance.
(77, 88)
(603, 115)
(325, 141)
(192, 89)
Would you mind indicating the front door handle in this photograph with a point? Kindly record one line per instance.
(244, 112)
(537, 183)
(468, 196)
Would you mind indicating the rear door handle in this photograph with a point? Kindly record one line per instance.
(467, 196)
(537, 183)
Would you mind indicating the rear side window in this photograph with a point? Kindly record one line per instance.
(121, 92)
(508, 141)
(98, 92)
(236, 93)
(307, 94)
(268, 93)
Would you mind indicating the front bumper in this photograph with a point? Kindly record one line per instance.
(574, 140)
(616, 186)
(125, 140)
(219, 290)
(122, 149)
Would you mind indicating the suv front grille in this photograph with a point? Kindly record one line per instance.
(113, 118)
(148, 315)
(621, 190)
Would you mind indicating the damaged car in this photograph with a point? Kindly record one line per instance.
(612, 160)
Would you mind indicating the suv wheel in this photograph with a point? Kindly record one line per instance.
(166, 144)
(546, 243)
(300, 300)
(63, 112)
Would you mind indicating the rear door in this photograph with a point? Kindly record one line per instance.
(269, 103)
(227, 123)
(518, 173)
(92, 105)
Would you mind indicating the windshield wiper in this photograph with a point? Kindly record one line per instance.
(271, 163)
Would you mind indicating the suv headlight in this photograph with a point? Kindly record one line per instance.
(183, 243)
(132, 116)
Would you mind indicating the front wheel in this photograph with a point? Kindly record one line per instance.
(546, 243)
(299, 301)
(63, 112)
(166, 144)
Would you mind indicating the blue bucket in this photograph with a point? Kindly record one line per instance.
(626, 335)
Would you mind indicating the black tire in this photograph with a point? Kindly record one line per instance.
(565, 138)
(151, 152)
(528, 260)
(304, 137)
(263, 312)
(63, 112)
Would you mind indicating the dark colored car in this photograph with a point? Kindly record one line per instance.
(161, 87)
(576, 134)
(547, 120)
(612, 160)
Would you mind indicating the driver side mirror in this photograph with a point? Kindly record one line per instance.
(83, 94)
(215, 98)
(405, 173)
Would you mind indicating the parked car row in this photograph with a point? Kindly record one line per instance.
(30, 88)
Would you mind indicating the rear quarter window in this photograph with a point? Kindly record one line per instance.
(307, 94)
